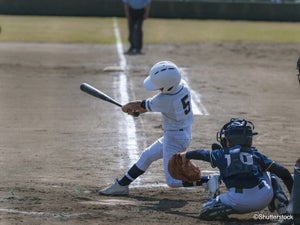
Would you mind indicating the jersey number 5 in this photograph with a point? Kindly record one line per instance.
(186, 104)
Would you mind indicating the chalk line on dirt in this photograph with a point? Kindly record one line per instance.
(127, 123)
(197, 105)
(41, 213)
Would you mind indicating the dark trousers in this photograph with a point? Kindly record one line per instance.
(296, 193)
(135, 24)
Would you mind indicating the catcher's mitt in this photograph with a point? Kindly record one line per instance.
(187, 171)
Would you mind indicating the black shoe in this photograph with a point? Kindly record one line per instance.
(139, 52)
(134, 51)
(129, 52)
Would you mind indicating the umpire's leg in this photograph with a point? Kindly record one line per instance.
(296, 193)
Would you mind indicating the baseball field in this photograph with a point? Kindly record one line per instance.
(59, 146)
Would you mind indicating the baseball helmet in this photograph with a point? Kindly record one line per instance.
(164, 75)
(238, 132)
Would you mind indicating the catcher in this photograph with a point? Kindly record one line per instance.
(244, 172)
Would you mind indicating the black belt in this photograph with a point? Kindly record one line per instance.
(260, 186)
(182, 129)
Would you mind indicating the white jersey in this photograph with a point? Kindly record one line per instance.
(176, 108)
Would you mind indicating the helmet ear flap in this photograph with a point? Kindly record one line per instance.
(221, 136)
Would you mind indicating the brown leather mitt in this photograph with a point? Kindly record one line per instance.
(185, 171)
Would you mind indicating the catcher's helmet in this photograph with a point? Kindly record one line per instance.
(164, 75)
(238, 132)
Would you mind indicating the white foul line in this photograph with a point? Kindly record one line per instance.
(127, 123)
(48, 214)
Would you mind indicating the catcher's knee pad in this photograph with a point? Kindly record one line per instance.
(214, 209)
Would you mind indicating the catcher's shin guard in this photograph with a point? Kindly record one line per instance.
(213, 185)
(280, 200)
(214, 209)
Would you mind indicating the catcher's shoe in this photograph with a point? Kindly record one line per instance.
(214, 209)
(213, 185)
(115, 189)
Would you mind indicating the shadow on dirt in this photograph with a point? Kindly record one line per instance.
(176, 207)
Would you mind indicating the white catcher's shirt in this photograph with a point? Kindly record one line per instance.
(176, 108)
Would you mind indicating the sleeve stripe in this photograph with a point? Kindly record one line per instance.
(148, 105)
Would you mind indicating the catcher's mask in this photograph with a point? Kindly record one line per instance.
(237, 132)
(298, 68)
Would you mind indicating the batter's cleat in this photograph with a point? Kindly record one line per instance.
(115, 189)
(213, 185)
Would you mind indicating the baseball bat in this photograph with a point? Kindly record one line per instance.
(98, 94)
(89, 89)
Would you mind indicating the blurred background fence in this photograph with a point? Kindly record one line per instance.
(267, 10)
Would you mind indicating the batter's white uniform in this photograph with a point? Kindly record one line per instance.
(177, 118)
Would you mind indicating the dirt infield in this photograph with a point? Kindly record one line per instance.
(59, 146)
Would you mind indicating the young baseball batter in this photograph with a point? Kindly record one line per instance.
(174, 104)
(244, 171)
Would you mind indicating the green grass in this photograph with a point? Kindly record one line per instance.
(100, 30)
(184, 31)
(56, 29)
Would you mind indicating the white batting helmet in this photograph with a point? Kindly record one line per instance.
(163, 75)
